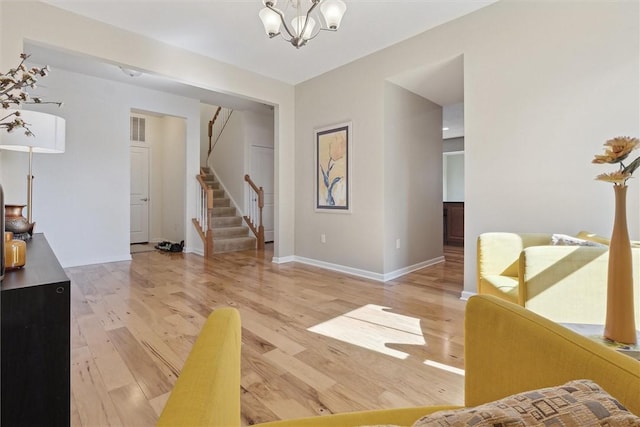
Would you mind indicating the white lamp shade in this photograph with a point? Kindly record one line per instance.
(271, 21)
(48, 133)
(333, 11)
(297, 24)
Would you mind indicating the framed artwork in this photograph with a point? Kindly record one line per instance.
(333, 168)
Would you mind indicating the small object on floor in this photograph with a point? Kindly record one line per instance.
(163, 246)
(177, 247)
(170, 247)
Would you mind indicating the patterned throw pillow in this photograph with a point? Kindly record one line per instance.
(565, 240)
(576, 403)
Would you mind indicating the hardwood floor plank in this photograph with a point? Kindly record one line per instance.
(254, 411)
(340, 399)
(92, 401)
(314, 341)
(152, 381)
(251, 322)
(75, 416)
(133, 406)
(108, 317)
(80, 305)
(113, 370)
(157, 403)
(273, 395)
(302, 371)
(77, 339)
(148, 335)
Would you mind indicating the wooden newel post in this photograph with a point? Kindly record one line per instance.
(260, 226)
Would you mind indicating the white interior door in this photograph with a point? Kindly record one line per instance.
(262, 175)
(139, 206)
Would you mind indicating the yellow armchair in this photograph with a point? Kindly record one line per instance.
(567, 284)
(500, 360)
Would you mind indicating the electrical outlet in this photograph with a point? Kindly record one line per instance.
(397, 243)
(323, 238)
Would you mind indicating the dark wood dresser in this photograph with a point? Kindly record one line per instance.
(35, 341)
(453, 223)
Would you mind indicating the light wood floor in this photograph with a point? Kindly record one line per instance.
(314, 341)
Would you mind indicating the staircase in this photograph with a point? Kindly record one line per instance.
(229, 232)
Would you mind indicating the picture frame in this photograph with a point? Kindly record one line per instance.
(333, 147)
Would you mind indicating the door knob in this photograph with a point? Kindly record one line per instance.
(144, 200)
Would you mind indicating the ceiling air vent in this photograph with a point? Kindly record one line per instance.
(137, 129)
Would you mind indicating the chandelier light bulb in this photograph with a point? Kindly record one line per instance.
(298, 25)
(333, 11)
(271, 21)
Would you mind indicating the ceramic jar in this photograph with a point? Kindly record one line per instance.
(15, 252)
(15, 222)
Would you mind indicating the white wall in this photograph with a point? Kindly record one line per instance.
(228, 158)
(412, 171)
(259, 128)
(174, 179)
(81, 197)
(453, 176)
(453, 169)
(535, 94)
(452, 144)
(353, 240)
(59, 29)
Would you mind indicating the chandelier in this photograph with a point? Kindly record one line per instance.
(303, 23)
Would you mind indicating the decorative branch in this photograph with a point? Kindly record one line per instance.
(13, 93)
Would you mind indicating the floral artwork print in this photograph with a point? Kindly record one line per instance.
(332, 168)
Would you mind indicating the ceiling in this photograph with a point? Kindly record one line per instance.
(230, 31)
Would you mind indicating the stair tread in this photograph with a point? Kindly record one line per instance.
(235, 239)
(229, 232)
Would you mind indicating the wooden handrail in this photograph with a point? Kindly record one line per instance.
(210, 129)
(256, 228)
(253, 185)
(216, 126)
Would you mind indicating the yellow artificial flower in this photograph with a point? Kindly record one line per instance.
(617, 177)
(617, 149)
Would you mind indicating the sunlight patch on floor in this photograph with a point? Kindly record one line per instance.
(373, 327)
(444, 367)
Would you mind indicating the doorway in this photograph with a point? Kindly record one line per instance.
(442, 82)
(157, 178)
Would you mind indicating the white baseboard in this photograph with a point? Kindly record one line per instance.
(364, 273)
(466, 295)
(349, 270)
(102, 260)
(411, 268)
(283, 260)
(340, 268)
(196, 251)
